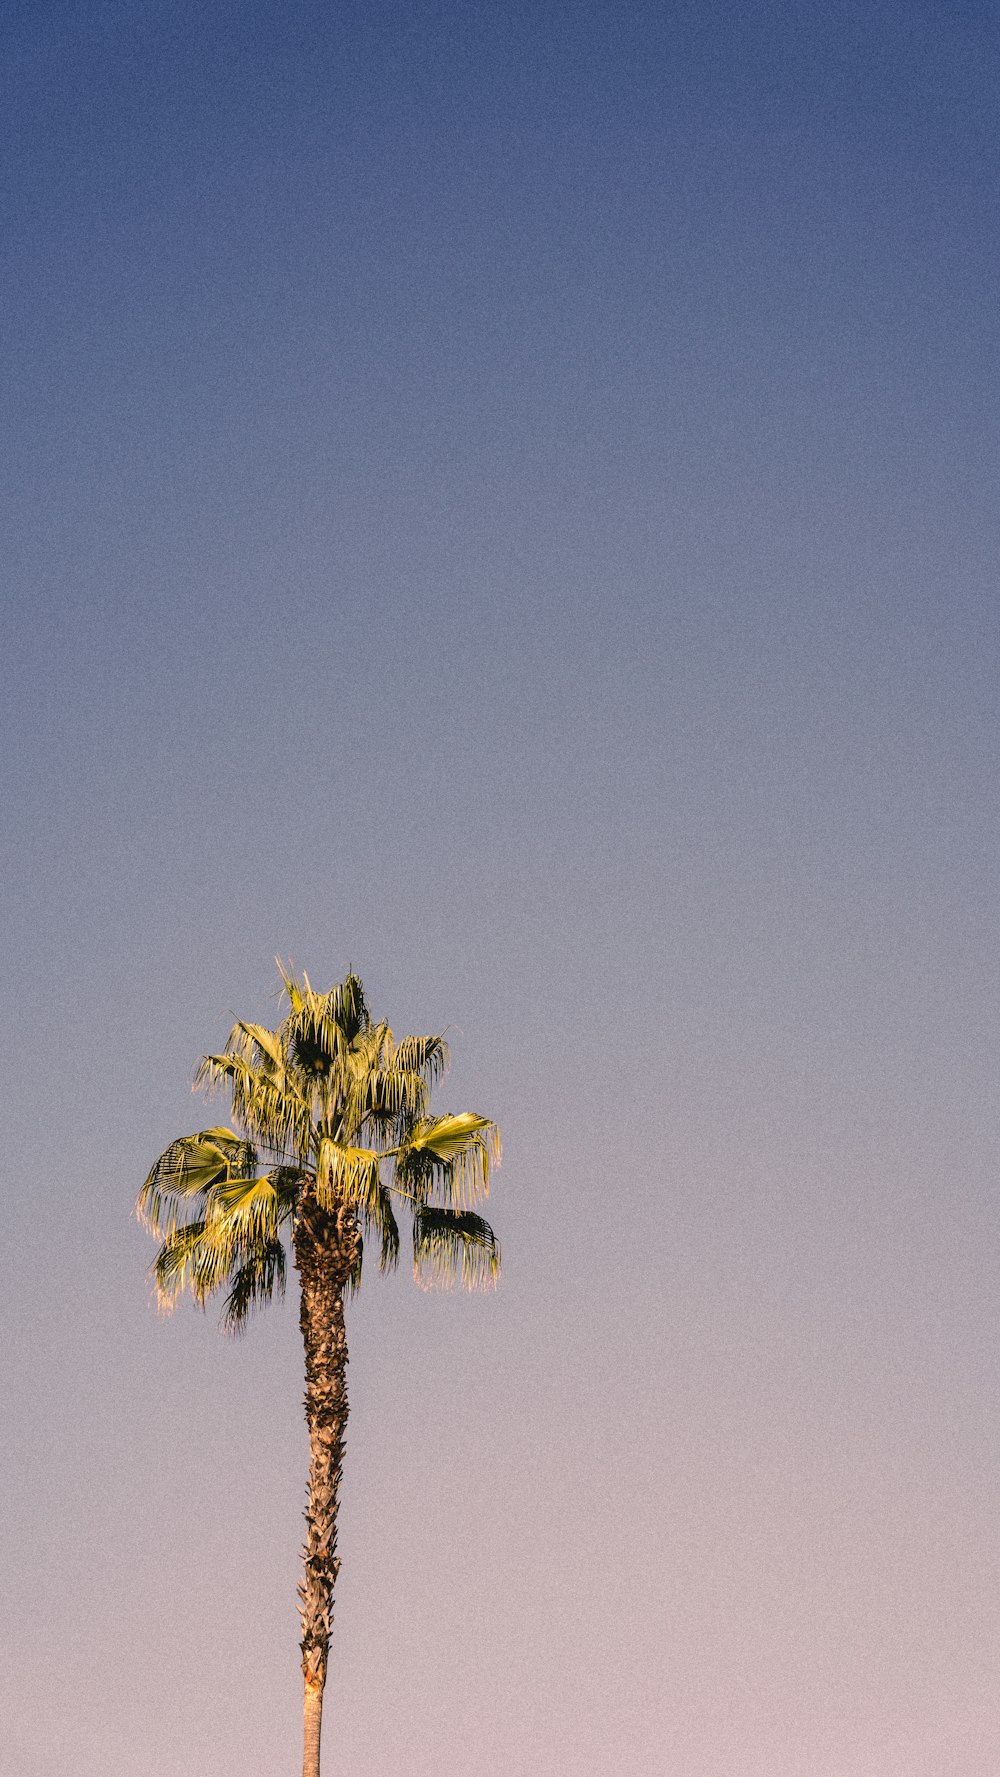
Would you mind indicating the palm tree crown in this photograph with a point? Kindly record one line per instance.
(331, 1116)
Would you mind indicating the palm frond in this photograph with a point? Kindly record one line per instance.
(390, 1099)
(348, 1007)
(346, 1174)
(428, 1056)
(353, 1280)
(454, 1246)
(257, 1281)
(295, 990)
(188, 1168)
(266, 1097)
(259, 1044)
(196, 1257)
(381, 1216)
(451, 1155)
(320, 1028)
(254, 1209)
(313, 1042)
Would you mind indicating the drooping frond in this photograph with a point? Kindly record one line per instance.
(396, 1083)
(454, 1246)
(314, 1043)
(389, 1101)
(346, 1174)
(353, 1283)
(427, 1056)
(451, 1155)
(196, 1257)
(187, 1168)
(236, 1219)
(381, 1216)
(267, 1096)
(260, 1278)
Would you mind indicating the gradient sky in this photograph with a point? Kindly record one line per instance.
(504, 497)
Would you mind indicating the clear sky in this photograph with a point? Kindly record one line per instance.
(504, 497)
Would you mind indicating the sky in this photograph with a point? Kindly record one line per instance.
(503, 498)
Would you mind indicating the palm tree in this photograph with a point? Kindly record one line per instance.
(332, 1124)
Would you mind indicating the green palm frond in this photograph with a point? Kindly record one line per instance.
(451, 1155)
(257, 1281)
(454, 1246)
(196, 1257)
(265, 1100)
(294, 990)
(190, 1166)
(348, 1007)
(427, 1056)
(259, 1045)
(346, 1174)
(254, 1208)
(320, 1027)
(315, 1044)
(390, 1100)
(384, 1221)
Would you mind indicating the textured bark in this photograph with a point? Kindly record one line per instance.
(325, 1247)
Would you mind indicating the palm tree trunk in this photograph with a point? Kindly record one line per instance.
(325, 1246)
(313, 1722)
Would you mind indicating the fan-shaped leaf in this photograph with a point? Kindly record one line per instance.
(452, 1246)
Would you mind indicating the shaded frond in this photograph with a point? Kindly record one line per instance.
(260, 1278)
(348, 1007)
(321, 1027)
(346, 1174)
(190, 1166)
(428, 1056)
(451, 1155)
(267, 1099)
(454, 1246)
(382, 1218)
(196, 1257)
(390, 1100)
(353, 1280)
(314, 1043)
